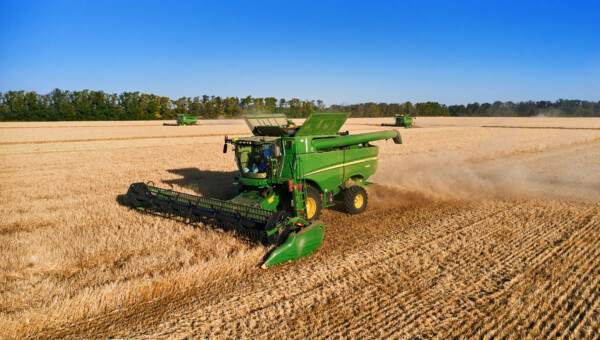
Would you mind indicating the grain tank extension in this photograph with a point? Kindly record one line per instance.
(287, 175)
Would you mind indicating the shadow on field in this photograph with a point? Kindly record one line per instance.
(210, 184)
(206, 183)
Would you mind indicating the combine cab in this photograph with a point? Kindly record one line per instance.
(402, 120)
(288, 174)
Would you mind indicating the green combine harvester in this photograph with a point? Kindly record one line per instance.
(402, 120)
(184, 120)
(287, 175)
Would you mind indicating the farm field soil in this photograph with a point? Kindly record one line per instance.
(474, 231)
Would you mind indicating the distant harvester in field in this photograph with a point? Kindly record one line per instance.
(184, 120)
(402, 120)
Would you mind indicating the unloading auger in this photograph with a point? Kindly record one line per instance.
(287, 175)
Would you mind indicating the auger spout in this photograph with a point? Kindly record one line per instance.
(327, 143)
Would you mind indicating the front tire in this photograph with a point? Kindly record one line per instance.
(355, 199)
(313, 203)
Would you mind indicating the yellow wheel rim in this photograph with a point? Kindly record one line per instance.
(311, 207)
(359, 200)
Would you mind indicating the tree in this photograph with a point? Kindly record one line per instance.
(308, 107)
(295, 107)
(457, 110)
(180, 106)
(245, 102)
(432, 109)
(270, 104)
(320, 105)
(232, 106)
(194, 106)
(33, 107)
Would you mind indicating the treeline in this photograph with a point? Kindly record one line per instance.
(62, 105)
(559, 108)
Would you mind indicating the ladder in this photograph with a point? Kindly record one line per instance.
(300, 197)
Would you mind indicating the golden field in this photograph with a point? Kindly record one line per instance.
(480, 227)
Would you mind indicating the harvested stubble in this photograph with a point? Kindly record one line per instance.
(498, 237)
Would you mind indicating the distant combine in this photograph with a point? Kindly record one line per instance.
(405, 121)
(185, 120)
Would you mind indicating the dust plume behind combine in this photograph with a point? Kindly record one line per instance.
(549, 173)
(450, 179)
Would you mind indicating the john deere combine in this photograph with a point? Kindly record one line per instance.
(287, 175)
(402, 120)
(184, 120)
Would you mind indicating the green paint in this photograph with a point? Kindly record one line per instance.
(402, 120)
(297, 245)
(187, 119)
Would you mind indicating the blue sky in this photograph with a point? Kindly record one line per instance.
(453, 52)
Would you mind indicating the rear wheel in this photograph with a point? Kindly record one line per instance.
(355, 199)
(313, 203)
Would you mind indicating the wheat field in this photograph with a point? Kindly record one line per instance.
(479, 227)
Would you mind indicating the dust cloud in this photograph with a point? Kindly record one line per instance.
(450, 179)
(551, 113)
(567, 173)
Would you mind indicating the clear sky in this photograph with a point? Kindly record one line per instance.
(453, 52)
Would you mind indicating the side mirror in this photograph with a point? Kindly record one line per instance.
(225, 148)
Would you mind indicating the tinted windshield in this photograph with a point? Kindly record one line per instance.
(257, 161)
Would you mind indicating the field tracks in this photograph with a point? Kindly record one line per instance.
(418, 308)
(495, 318)
(358, 269)
(383, 293)
(261, 291)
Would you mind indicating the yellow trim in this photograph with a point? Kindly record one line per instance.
(341, 165)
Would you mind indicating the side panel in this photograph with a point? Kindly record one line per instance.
(324, 168)
(360, 162)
